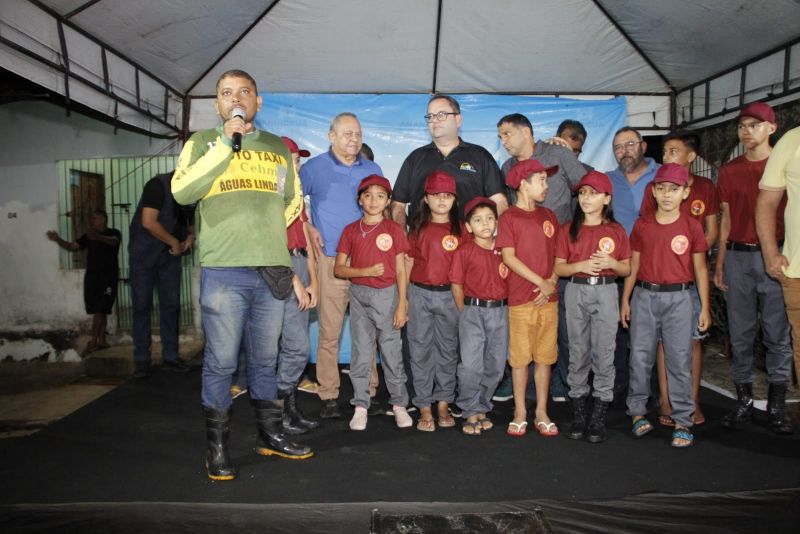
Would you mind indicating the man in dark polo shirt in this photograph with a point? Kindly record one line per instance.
(475, 171)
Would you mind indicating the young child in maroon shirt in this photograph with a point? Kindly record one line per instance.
(371, 254)
(668, 255)
(478, 278)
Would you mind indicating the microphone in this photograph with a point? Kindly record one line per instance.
(237, 137)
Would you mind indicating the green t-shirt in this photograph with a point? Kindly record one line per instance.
(245, 198)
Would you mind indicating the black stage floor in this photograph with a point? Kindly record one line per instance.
(134, 460)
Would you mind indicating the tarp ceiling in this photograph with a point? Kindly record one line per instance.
(458, 46)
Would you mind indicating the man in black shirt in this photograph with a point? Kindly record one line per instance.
(102, 272)
(475, 171)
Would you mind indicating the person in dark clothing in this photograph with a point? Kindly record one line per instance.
(102, 272)
(161, 232)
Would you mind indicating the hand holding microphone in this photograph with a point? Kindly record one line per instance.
(236, 136)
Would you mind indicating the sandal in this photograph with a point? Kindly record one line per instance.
(641, 428)
(517, 429)
(546, 429)
(426, 425)
(446, 421)
(486, 423)
(665, 420)
(682, 438)
(698, 420)
(471, 428)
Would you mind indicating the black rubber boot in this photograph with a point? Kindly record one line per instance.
(577, 428)
(596, 432)
(218, 426)
(778, 421)
(271, 439)
(743, 413)
(293, 420)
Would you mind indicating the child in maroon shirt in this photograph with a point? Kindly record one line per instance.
(371, 254)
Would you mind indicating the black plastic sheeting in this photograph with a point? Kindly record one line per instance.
(773, 511)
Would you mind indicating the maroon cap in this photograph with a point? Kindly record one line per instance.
(672, 173)
(478, 201)
(760, 111)
(374, 179)
(440, 182)
(597, 181)
(293, 148)
(523, 169)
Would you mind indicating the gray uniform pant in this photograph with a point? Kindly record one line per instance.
(433, 343)
(371, 317)
(295, 344)
(483, 336)
(592, 315)
(750, 290)
(666, 316)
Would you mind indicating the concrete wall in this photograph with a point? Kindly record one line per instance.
(36, 295)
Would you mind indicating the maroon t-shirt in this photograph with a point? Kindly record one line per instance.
(738, 187)
(481, 272)
(702, 202)
(296, 237)
(533, 236)
(367, 245)
(608, 237)
(665, 250)
(432, 250)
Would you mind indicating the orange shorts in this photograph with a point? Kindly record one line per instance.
(533, 331)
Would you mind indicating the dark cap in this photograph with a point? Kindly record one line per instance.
(293, 148)
(476, 202)
(374, 179)
(523, 169)
(597, 181)
(758, 110)
(672, 173)
(440, 182)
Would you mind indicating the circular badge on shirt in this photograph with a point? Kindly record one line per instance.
(384, 242)
(606, 244)
(503, 270)
(548, 229)
(680, 244)
(449, 243)
(698, 207)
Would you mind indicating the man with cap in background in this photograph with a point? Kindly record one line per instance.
(741, 275)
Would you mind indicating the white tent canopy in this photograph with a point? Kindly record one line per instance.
(139, 61)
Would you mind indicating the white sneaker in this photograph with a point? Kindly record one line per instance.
(359, 420)
(401, 417)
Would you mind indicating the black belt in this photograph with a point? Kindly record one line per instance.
(298, 252)
(593, 280)
(443, 287)
(746, 247)
(664, 287)
(472, 301)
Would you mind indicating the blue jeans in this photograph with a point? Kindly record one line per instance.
(165, 277)
(238, 311)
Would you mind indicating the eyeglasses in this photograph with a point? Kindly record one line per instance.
(440, 116)
(750, 127)
(626, 145)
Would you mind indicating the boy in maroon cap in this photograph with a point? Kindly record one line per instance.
(478, 278)
(527, 236)
(741, 275)
(371, 254)
(668, 256)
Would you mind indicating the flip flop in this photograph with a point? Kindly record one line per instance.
(517, 429)
(641, 428)
(486, 423)
(426, 425)
(665, 420)
(446, 422)
(682, 438)
(474, 426)
(546, 429)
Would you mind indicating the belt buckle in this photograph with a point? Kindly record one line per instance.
(593, 280)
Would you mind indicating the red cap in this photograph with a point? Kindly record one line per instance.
(758, 110)
(440, 182)
(672, 173)
(597, 181)
(293, 148)
(374, 179)
(523, 169)
(478, 201)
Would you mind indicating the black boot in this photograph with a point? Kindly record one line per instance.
(743, 412)
(293, 420)
(271, 439)
(597, 423)
(218, 426)
(577, 428)
(777, 419)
